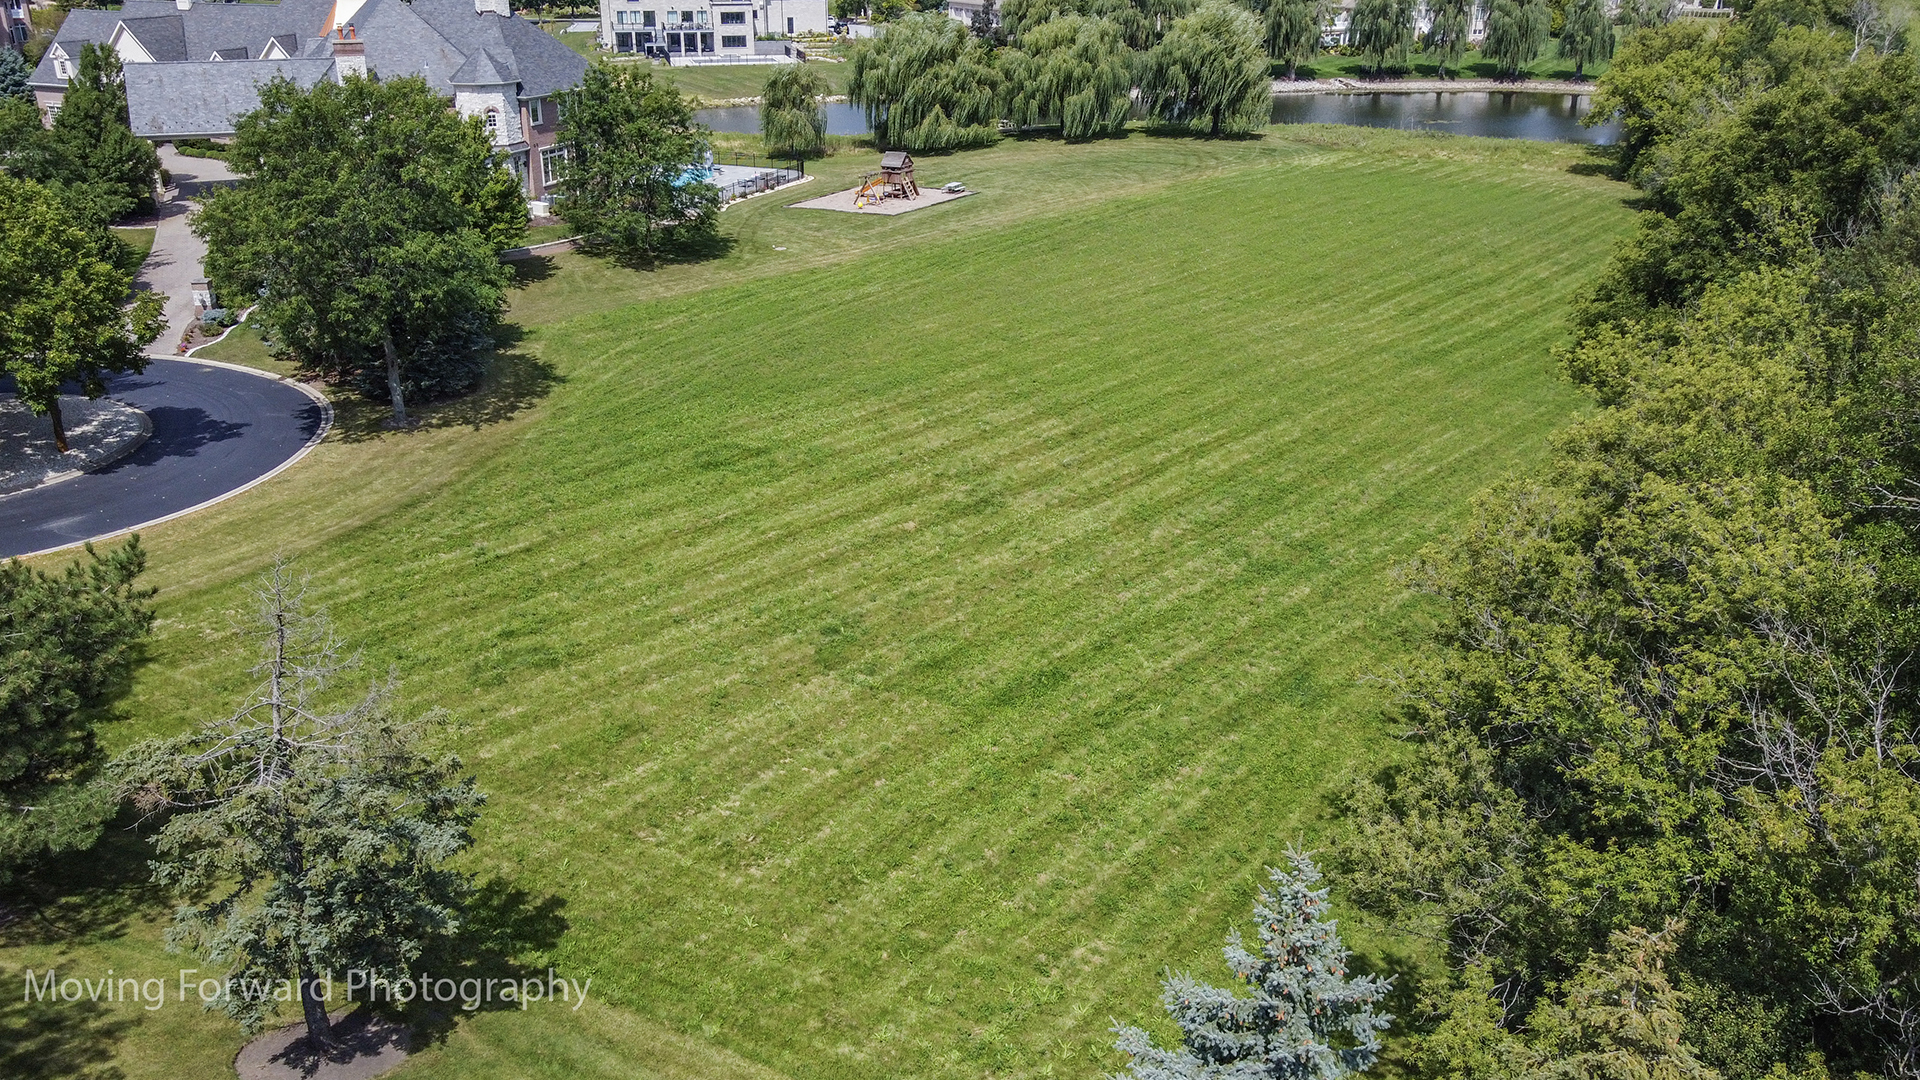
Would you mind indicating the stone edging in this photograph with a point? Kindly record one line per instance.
(326, 425)
(1431, 86)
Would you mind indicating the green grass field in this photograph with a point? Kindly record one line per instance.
(725, 82)
(886, 654)
(139, 238)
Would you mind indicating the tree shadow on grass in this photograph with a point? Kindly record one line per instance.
(67, 1040)
(514, 381)
(506, 935)
(82, 895)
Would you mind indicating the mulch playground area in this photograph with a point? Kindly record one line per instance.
(846, 202)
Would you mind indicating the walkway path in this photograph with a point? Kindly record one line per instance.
(217, 430)
(171, 268)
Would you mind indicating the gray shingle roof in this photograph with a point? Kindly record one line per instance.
(168, 101)
(444, 41)
(484, 69)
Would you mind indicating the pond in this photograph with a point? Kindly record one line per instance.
(1514, 114)
(1517, 114)
(842, 119)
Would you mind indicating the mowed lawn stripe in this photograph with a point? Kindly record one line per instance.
(845, 797)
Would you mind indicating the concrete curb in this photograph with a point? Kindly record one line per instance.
(326, 425)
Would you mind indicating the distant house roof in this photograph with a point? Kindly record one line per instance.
(195, 100)
(449, 43)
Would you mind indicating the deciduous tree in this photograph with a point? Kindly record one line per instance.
(1294, 28)
(633, 182)
(1383, 32)
(369, 230)
(66, 639)
(793, 112)
(104, 165)
(1446, 38)
(927, 85)
(1071, 70)
(1306, 1017)
(1209, 72)
(67, 318)
(1516, 32)
(1587, 38)
(309, 837)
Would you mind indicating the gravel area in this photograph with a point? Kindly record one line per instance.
(99, 432)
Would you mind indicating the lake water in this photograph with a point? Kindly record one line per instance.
(1518, 114)
(842, 119)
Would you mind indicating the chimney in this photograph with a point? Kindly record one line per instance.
(502, 8)
(349, 52)
(183, 5)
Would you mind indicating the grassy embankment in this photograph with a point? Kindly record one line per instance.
(139, 238)
(888, 643)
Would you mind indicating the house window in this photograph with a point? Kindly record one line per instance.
(789, 27)
(733, 41)
(533, 113)
(672, 16)
(493, 119)
(552, 164)
(733, 18)
(706, 42)
(52, 111)
(61, 68)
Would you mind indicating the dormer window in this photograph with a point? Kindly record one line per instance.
(62, 69)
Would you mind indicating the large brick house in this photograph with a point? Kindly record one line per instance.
(192, 68)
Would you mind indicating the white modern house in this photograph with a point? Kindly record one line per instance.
(709, 31)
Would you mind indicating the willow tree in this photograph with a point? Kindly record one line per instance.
(1294, 28)
(1587, 38)
(1071, 70)
(925, 83)
(1516, 32)
(1210, 72)
(1383, 32)
(793, 112)
(1446, 38)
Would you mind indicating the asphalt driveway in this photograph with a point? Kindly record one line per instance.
(215, 430)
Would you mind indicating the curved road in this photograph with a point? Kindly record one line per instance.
(216, 430)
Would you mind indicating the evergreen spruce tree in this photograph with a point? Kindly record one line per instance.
(1307, 1018)
(307, 839)
(13, 76)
